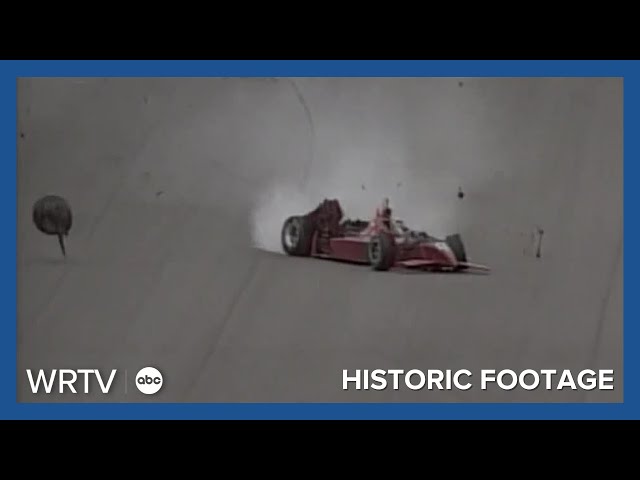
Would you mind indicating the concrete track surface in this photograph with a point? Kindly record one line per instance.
(179, 188)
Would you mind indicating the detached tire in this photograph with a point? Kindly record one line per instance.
(382, 252)
(296, 236)
(52, 216)
(456, 245)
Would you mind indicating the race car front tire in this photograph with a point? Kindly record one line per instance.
(296, 236)
(382, 252)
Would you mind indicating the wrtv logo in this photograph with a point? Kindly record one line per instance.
(69, 380)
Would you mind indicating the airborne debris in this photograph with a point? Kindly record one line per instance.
(540, 232)
(52, 216)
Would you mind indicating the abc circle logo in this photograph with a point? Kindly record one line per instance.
(149, 380)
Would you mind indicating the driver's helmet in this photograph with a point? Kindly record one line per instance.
(386, 210)
(384, 213)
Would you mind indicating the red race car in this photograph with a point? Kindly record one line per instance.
(383, 243)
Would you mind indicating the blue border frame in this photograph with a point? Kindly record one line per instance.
(10, 70)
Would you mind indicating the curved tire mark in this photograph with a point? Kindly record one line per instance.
(233, 304)
(604, 307)
(312, 130)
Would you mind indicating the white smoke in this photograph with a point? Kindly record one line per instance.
(271, 209)
(360, 179)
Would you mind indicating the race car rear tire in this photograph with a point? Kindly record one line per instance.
(382, 252)
(296, 236)
(457, 247)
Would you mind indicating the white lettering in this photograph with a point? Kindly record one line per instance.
(566, 380)
(68, 383)
(85, 372)
(547, 374)
(346, 379)
(410, 384)
(456, 379)
(514, 380)
(42, 377)
(105, 389)
(606, 376)
(415, 379)
(435, 378)
(396, 377)
(67, 378)
(378, 382)
(591, 382)
(487, 376)
(536, 380)
(448, 380)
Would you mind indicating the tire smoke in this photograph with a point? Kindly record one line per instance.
(359, 180)
(271, 209)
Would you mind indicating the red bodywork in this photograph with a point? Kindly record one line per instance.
(349, 241)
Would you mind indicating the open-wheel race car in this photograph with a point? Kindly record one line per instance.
(383, 242)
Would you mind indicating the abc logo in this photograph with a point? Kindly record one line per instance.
(149, 380)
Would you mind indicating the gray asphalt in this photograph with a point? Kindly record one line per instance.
(179, 188)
